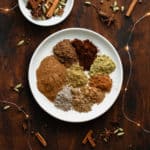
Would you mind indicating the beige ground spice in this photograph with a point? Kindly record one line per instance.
(84, 98)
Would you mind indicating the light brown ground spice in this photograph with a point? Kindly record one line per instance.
(51, 77)
(65, 53)
(84, 98)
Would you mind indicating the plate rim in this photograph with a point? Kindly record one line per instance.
(41, 24)
(79, 29)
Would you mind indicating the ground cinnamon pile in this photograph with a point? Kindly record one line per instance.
(65, 52)
(86, 52)
(51, 77)
(103, 82)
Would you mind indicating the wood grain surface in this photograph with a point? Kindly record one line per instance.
(59, 135)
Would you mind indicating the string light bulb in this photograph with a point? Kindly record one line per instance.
(138, 124)
(147, 14)
(6, 10)
(126, 48)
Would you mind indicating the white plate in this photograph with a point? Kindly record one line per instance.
(45, 49)
(49, 22)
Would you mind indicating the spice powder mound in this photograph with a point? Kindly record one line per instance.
(51, 77)
(86, 52)
(84, 99)
(103, 64)
(65, 53)
(103, 82)
(76, 76)
(64, 99)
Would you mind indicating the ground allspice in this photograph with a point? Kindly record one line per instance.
(86, 52)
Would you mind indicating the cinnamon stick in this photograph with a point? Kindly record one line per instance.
(131, 7)
(41, 139)
(52, 8)
(89, 138)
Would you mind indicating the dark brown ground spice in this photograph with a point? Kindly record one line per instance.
(86, 52)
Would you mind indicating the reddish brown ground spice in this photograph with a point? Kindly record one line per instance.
(103, 82)
(86, 52)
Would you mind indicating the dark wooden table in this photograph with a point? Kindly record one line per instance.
(14, 61)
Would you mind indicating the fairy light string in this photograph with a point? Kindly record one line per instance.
(128, 50)
(7, 10)
(27, 117)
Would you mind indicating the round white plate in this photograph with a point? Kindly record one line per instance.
(45, 49)
(49, 22)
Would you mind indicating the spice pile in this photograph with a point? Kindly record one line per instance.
(44, 9)
(76, 76)
(51, 76)
(86, 97)
(63, 80)
(86, 52)
(103, 65)
(65, 53)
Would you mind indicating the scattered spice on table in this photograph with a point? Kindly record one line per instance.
(104, 136)
(131, 7)
(41, 139)
(76, 76)
(21, 42)
(6, 107)
(64, 99)
(103, 64)
(86, 52)
(65, 52)
(18, 87)
(101, 81)
(89, 138)
(25, 126)
(104, 16)
(84, 99)
(44, 9)
(51, 77)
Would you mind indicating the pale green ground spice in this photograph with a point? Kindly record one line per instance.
(76, 76)
(102, 64)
